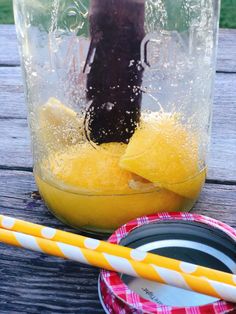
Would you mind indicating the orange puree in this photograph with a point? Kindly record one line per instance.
(85, 187)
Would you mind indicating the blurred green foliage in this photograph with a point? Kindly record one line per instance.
(6, 14)
(228, 14)
(227, 18)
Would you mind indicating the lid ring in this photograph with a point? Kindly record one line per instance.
(112, 284)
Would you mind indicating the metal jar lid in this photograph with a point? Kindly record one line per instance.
(189, 237)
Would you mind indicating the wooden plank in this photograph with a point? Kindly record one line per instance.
(12, 97)
(222, 165)
(36, 283)
(9, 54)
(15, 143)
(226, 55)
(14, 137)
(226, 58)
(219, 202)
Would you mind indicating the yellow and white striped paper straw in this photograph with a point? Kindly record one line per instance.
(113, 249)
(120, 264)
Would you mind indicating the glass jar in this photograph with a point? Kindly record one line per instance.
(119, 96)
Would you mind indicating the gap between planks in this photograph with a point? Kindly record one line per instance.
(30, 169)
(2, 65)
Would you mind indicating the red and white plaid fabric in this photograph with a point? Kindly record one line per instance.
(119, 299)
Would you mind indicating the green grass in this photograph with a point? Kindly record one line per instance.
(6, 14)
(228, 14)
(227, 18)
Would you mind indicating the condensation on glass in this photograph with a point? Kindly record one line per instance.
(119, 96)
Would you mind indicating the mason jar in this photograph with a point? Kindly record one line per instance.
(119, 96)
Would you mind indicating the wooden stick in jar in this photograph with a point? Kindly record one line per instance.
(114, 69)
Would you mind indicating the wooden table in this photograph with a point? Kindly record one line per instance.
(36, 283)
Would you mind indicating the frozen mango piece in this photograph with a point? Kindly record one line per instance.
(164, 152)
(58, 125)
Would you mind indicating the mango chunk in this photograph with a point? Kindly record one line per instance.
(58, 125)
(164, 152)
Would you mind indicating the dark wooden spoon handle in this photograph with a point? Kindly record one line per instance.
(115, 72)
